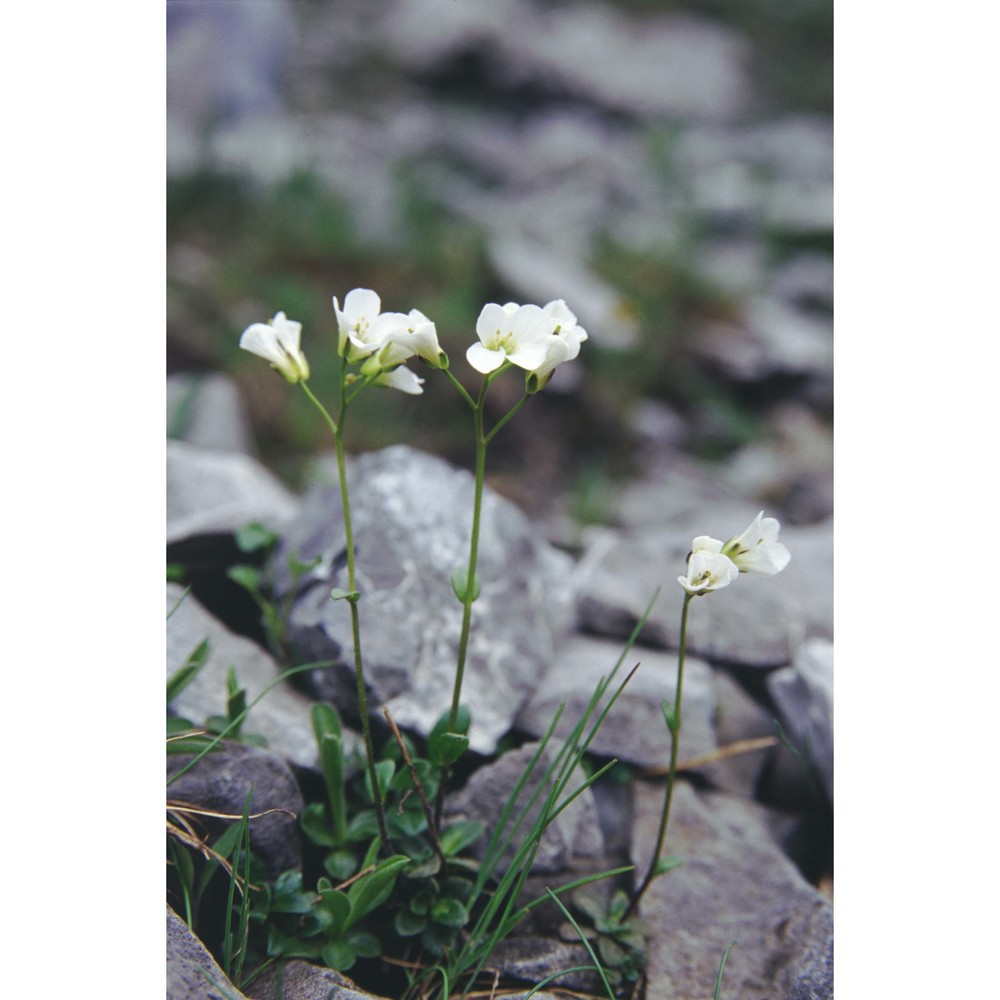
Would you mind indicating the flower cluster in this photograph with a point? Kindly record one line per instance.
(534, 338)
(713, 565)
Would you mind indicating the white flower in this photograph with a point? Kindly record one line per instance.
(362, 328)
(758, 550)
(278, 343)
(707, 570)
(519, 334)
(417, 337)
(402, 379)
(568, 337)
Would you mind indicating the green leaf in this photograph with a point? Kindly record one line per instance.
(338, 955)
(298, 568)
(408, 924)
(247, 577)
(363, 826)
(449, 912)
(669, 716)
(329, 739)
(459, 584)
(422, 902)
(407, 823)
(316, 825)
(668, 863)
(254, 536)
(336, 907)
(340, 865)
(423, 868)
(384, 770)
(445, 748)
(372, 890)
(336, 594)
(365, 944)
(186, 673)
(288, 896)
(460, 835)
(236, 702)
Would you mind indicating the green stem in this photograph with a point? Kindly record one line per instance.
(471, 589)
(336, 429)
(503, 420)
(470, 577)
(675, 739)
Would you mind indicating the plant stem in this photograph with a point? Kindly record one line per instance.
(471, 587)
(470, 576)
(336, 429)
(675, 739)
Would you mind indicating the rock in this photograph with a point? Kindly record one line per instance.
(634, 730)
(791, 466)
(575, 833)
(220, 781)
(739, 718)
(771, 337)
(192, 973)
(673, 491)
(678, 65)
(411, 516)
(755, 622)
(803, 694)
(224, 61)
(300, 980)
(207, 411)
(212, 492)
(735, 885)
(282, 716)
(533, 959)
(541, 274)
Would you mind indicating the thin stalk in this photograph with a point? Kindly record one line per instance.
(675, 739)
(336, 428)
(470, 583)
(471, 588)
(418, 786)
(470, 577)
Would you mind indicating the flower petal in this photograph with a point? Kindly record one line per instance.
(484, 360)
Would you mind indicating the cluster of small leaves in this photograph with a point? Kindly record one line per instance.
(420, 891)
(616, 938)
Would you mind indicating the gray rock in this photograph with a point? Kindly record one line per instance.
(756, 621)
(207, 411)
(224, 61)
(300, 980)
(803, 694)
(739, 719)
(634, 730)
(735, 885)
(574, 834)
(532, 959)
(771, 337)
(673, 491)
(220, 781)
(192, 973)
(792, 465)
(677, 66)
(411, 515)
(212, 492)
(282, 716)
